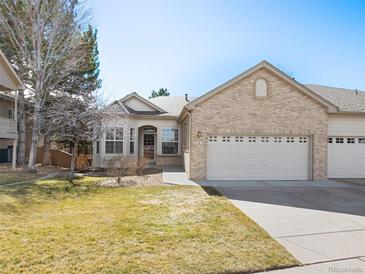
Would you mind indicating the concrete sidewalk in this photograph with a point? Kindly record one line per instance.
(356, 265)
(176, 175)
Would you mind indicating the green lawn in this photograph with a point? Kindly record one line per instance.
(51, 226)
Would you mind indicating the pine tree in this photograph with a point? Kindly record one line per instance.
(160, 92)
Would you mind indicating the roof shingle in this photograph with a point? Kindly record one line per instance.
(345, 99)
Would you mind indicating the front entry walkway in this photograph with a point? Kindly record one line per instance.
(176, 175)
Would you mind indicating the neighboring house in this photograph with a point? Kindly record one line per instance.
(9, 85)
(260, 125)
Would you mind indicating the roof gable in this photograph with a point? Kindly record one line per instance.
(276, 72)
(9, 80)
(135, 102)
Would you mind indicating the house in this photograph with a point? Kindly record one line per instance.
(9, 85)
(260, 125)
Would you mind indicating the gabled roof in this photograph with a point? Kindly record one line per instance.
(17, 83)
(172, 104)
(275, 71)
(348, 100)
(140, 98)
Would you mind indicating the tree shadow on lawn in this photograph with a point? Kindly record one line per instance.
(39, 191)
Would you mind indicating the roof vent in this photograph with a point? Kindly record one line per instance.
(186, 97)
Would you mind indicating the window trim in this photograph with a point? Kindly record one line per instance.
(97, 147)
(178, 141)
(114, 140)
(12, 114)
(132, 140)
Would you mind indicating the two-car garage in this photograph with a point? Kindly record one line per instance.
(235, 157)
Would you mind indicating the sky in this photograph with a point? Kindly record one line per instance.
(192, 46)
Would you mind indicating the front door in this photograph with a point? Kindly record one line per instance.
(149, 146)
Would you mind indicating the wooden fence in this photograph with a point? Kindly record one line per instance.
(62, 158)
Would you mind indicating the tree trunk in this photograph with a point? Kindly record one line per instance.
(35, 133)
(47, 150)
(21, 129)
(73, 159)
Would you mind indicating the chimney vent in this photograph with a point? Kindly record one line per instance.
(186, 97)
(357, 93)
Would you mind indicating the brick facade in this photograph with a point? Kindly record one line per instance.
(236, 110)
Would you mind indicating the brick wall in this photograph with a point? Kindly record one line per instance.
(236, 110)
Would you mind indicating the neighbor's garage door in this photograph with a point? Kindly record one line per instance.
(258, 158)
(346, 157)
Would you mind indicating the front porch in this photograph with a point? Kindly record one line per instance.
(156, 142)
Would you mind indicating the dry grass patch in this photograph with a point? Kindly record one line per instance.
(54, 227)
(15, 177)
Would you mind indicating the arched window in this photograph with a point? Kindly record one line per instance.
(261, 88)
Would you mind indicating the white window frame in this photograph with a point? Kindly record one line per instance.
(178, 141)
(132, 140)
(11, 115)
(97, 147)
(115, 140)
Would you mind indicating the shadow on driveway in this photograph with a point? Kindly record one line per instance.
(334, 196)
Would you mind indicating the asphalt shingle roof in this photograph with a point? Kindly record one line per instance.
(171, 104)
(345, 99)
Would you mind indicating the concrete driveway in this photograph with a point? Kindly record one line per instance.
(318, 222)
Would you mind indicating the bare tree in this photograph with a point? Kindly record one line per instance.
(72, 118)
(46, 35)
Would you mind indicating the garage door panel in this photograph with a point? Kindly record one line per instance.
(258, 160)
(346, 159)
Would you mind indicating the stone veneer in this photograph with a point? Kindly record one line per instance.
(236, 110)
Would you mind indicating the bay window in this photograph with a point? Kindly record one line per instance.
(114, 141)
(170, 141)
(132, 139)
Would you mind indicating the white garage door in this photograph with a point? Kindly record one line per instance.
(346, 157)
(258, 158)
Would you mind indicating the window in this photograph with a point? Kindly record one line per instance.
(252, 139)
(339, 140)
(277, 139)
(132, 139)
(212, 139)
(265, 139)
(261, 88)
(226, 139)
(11, 114)
(97, 147)
(330, 140)
(302, 139)
(170, 141)
(290, 139)
(239, 139)
(361, 140)
(351, 140)
(114, 141)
